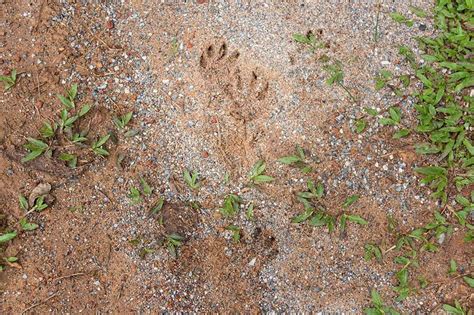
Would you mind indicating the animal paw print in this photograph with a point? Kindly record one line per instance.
(215, 57)
(247, 90)
(244, 86)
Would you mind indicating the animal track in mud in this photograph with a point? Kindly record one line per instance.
(247, 89)
(243, 93)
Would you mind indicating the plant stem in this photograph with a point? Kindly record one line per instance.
(347, 91)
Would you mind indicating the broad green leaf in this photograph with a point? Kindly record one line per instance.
(356, 219)
(84, 110)
(401, 133)
(469, 281)
(350, 200)
(263, 179)
(31, 156)
(376, 298)
(66, 102)
(7, 237)
(303, 216)
(289, 159)
(23, 203)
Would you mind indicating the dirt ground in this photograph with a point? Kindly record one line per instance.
(213, 87)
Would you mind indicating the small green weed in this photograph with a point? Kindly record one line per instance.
(68, 100)
(97, 147)
(336, 77)
(457, 309)
(256, 175)
(173, 242)
(191, 179)
(309, 39)
(400, 18)
(134, 195)
(122, 121)
(231, 205)
(235, 232)
(378, 306)
(297, 160)
(9, 81)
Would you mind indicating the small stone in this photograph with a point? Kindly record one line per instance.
(422, 27)
(252, 262)
(441, 238)
(110, 24)
(214, 119)
(205, 154)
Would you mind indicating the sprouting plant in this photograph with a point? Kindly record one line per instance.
(122, 121)
(134, 195)
(256, 175)
(378, 306)
(316, 215)
(147, 190)
(345, 217)
(235, 232)
(79, 137)
(350, 201)
(457, 309)
(97, 146)
(463, 214)
(11, 259)
(249, 212)
(191, 179)
(437, 178)
(403, 288)
(371, 251)
(309, 39)
(400, 18)
(360, 125)
(174, 47)
(36, 148)
(394, 119)
(23, 203)
(297, 159)
(336, 76)
(231, 205)
(71, 159)
(9, 81)
(173, 241)
(68, 100)
(453, 267)
(39, 205)
(66, 121)
(226, 178)
(417, 11)
(469, 281)
(350, 218)
(27, 226)
(7, 236)
(382, 78)
(145, 251)
(48, 130)
(313, 192)
(158, 206)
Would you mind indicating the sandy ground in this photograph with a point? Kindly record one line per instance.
(214, 87)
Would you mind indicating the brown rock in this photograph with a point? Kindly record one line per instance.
(110, 24)
(205, 154)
